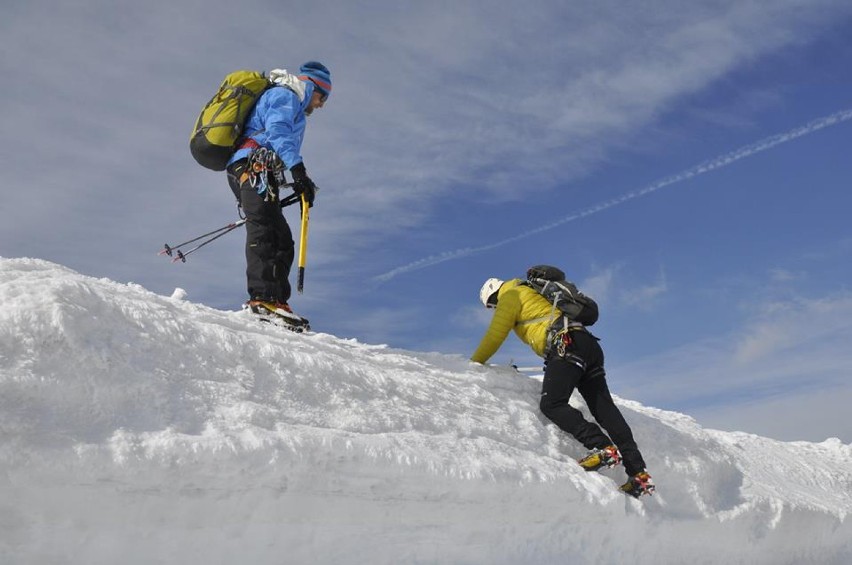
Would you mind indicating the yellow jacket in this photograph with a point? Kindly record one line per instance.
(520, 308)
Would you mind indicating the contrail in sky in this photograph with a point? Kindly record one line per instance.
(705, 167)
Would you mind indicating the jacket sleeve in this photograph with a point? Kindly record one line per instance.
(505, 316)
(284, 128)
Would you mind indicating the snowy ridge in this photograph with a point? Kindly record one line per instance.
(142, 428)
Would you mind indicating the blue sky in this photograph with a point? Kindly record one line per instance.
(454, 126)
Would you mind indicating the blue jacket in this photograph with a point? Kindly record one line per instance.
(277, 122)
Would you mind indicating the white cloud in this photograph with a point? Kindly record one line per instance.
(789, 352)
(812, 414)
(645, 297)
(615, 283)
(784, 275)
(599, 284)
(426, 89)
(764, 341)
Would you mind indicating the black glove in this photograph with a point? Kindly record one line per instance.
(302, 183)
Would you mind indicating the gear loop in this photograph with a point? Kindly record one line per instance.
(266, 172)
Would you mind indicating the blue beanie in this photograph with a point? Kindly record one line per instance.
(318, 74)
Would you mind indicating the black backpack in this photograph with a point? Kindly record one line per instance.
(562, 294)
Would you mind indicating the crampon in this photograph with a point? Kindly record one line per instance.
(599, 458)
(639, 484)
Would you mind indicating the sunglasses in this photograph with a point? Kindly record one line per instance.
(318, 90)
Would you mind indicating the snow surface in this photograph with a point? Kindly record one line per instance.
(139, 428)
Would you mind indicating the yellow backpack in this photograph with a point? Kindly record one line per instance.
(221, 121)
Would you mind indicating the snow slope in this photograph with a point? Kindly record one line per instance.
(139, 428)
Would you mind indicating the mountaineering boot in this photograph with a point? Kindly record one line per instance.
(597, 458)
(278, 310)
(272, 307)
(639, 484)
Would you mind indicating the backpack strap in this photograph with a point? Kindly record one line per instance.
(547, 318)
(533, 321)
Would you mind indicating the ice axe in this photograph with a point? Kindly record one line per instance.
(303, 244)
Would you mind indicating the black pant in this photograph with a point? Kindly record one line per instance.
(269, 242)
(582, 367)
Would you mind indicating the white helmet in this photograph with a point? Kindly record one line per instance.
(490, 288)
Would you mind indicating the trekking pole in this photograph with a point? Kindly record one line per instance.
(303, 245)
(522, 370)
(178, 255)
(529, 369)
